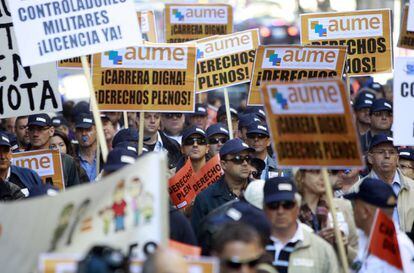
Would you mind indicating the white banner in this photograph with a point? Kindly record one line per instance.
(24, 90)
(127, 210)
(51, 30)
(410, 21)
(403, 126)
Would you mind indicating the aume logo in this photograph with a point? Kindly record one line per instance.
(199, 14)
(409, 68)
(146, 57)
(305, 98)
(300, 58)
(352, 26)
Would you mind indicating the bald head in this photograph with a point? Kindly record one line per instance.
(165, 261)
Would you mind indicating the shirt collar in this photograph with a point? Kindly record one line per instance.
(159, 144)
(297, 237)
(396, 178)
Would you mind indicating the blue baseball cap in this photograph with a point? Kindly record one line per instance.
(375, 192)
(222, 112)
(118, 158)
(380, 105)
(257, 128)
(200, 110)
(234, 146)
(217, 128)
(246, 119)
(406, 153)
(59, 121)
(4, 139)
(364, 100)
(14, 146)
(85, 120)
(126, 145)
(193, 130)
(379, 139)
(258, 110)
(278, 189)
(125, 135)
(42, 120)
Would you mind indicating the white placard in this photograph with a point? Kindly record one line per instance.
(403, 125)
(52, 30)
(410, 21)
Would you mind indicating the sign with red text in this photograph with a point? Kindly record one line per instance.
(311, 124)
(46, 163)
(179, 186)
(48, 30)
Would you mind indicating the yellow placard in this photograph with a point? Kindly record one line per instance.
(311, 124)
(293, 62)
(225, 61)
(406, 39)
(148, 78)
(46, 163)
(366, 33)
(186, 22)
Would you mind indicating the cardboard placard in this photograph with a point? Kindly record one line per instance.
(179, 186)
(127, 210)
(46, 163)
(146, 21)
(185, 249)
(24, 90)
(410, 25)
(403, 124)
(207, 175)
(225, 61)
(152, 78)
(186, 22)
(406, 39)
(62, 29)
(72, 62)
(292, 62)
(311, 124)
(366, 33)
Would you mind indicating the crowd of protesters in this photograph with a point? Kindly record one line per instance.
(257, 217)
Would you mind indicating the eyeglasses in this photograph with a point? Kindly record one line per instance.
(240, 159)
(382, 113)
(37, 128)
(191, 141)
(172, 115)
(391, 152)
(259, 136)
(215, 140)
(285, 205)
(237, 265)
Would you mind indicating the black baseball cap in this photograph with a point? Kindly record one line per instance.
(125, 135)
(234, 146)
(380, 105)
(59, 121)
(278, 189)
(222, 111)
(258, 110)
(193, 130)
(42, 120)
(217, 128)
(85, 120)
(257, 128)
(246, 119)
(364, 100)
(379, 139)
(4, 140)
(406, 153)
(200, 110)
(375, 192)
(14, 146)
(118, 158)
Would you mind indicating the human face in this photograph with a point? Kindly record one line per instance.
(240, 257)
(109, 130)
(86, 136)
(258, 142)
(383, 158)
(363, 116)
(10, 122)
(407, 167)
(22, 133)
(173, 123)
(5, 158)
(40, 136)
(64, 129)
(113, 116)
(238, 172)
(151, 123)
(196, 150)
(57, 143)
(313, 182)
(199, 121)
(234, 122)
(216, 142)
(281, 215)
(381, 120)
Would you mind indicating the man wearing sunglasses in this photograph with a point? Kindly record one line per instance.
(173, 125)
(383, 157)
(406, 162)
(217, 135)
(293, 248)
(381, 122)
(195, 147)
(235, 162)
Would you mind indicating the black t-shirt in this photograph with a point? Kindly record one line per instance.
(150, 147)
(16, 180)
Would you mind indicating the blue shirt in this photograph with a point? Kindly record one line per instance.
(90, 169)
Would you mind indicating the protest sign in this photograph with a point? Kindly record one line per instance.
(366, 33)
(72, 63)
(403, 125)
(406, 39)
(311, 124)
(46, 163)
(24, 90)
(292, 62)
(410, 24)
(65, 29)
(179, 186)
(207, 175)
(227, 60)
(186, 22)
(149, 78)
(185, 249)
(383, 242)
(146, 21)
(127, 210)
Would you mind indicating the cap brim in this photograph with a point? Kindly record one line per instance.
(257, 132)
(281, 196)
(362, 106)
(381, 109)
(37, 123)
(378, 143)
(84, 125)
(351, 196)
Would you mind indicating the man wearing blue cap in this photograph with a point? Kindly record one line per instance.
(381, 122)
(244, 122)
(383, 157)
(406, 162)
(235, 158)
(117, 159)
(222, 117)
(199, 117)
(195, 147)
(372, 194)
(217, 135)
(362, 105)
(293, 248)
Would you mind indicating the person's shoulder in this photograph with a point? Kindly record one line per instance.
(67, 158)
(315, 241)
(167, 140)
(408, 181)
(22, 170)
(342, 204)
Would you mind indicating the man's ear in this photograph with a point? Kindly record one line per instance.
(52, 131)
(223, 164)
(268, 142)
(369, 158)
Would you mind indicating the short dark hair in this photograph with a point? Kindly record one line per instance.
(64, 137)
(234, 231)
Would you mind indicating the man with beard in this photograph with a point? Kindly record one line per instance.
(22, 135)
(195, 147)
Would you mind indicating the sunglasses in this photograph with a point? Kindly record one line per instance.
(215, 140)
(240, 159)
(287, 205)
(172, 115)
(237, 265)
(259, 136)
(191, 141)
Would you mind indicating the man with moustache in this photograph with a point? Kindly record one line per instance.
(195, 147)
(22, 135)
